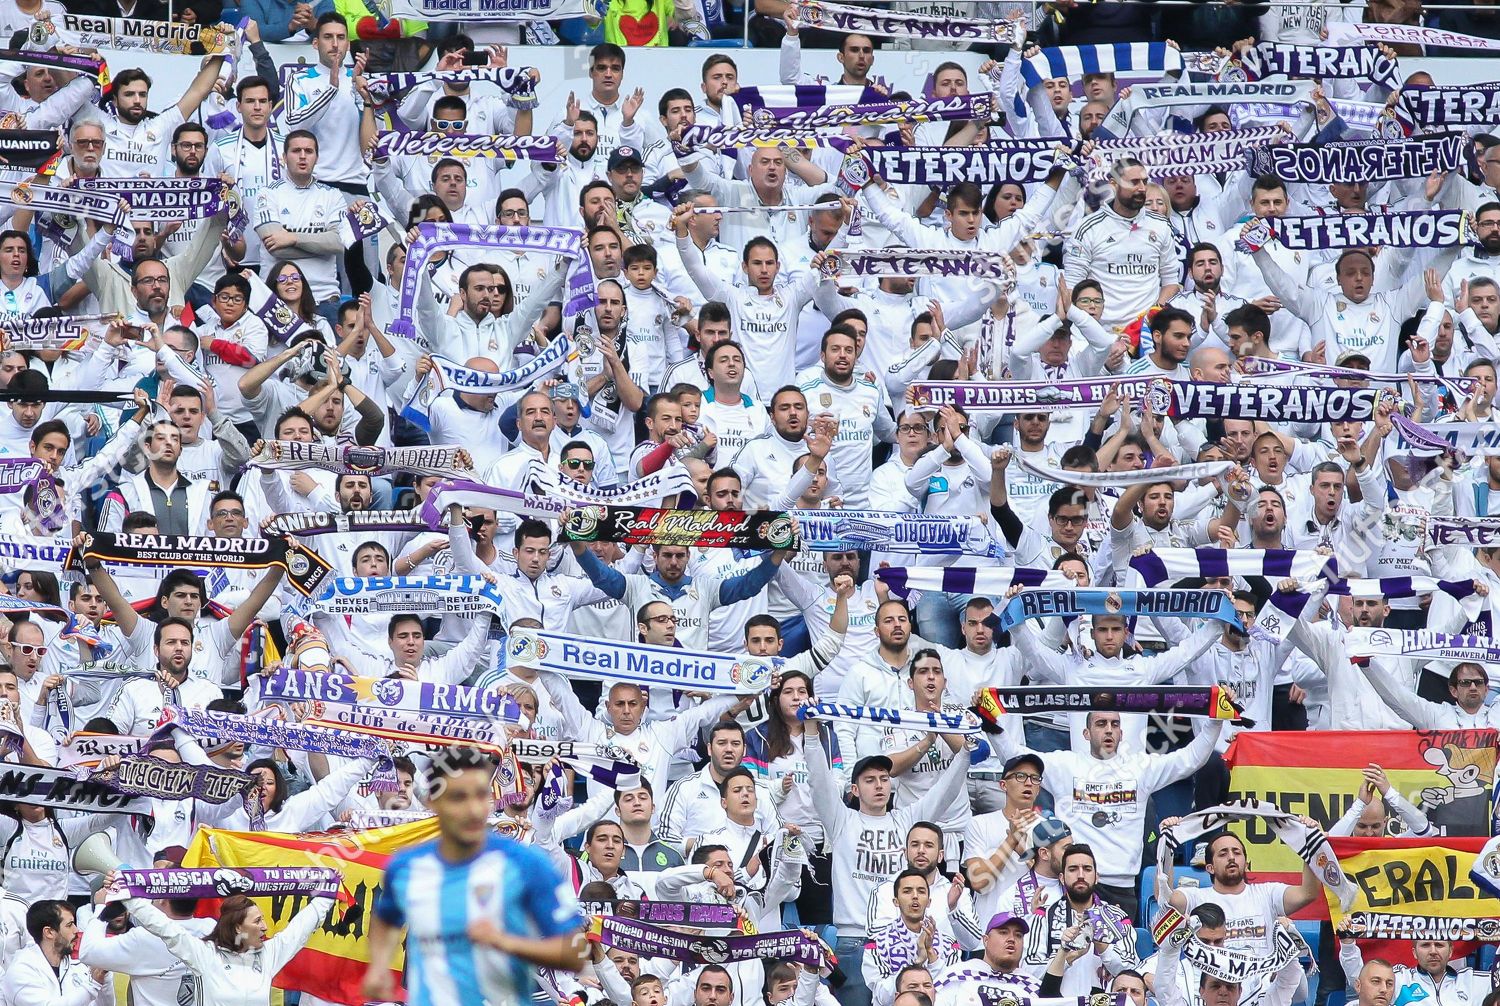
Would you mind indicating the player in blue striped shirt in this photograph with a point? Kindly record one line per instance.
(480, 910)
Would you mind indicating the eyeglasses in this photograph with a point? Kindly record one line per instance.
(185, 145)
(236, 512)
(1070, 521)
(152, 281)
(289, 277)
(229, 298)
(911, 428)
(577, 463)
(1088, 301)
(449, 123)
(27, 649)
(1024, 777)
(662, 619)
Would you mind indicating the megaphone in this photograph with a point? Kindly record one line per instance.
(96, 855)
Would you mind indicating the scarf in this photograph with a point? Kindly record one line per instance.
(959, 721)
(467, 595)
(894, 24)
(638, 663)
(269, 732)
(1021, 161)
(1408, 34)
(1059, 603)
(1472, 439)
(60, 790)
(1023, 396)
(1117, 123)
(393, 694)
(1158, 565)
(912, 262)
(1211, 702)
(446, 375)
(344, 459)
(305, 569)
(305, 525)
(717, 137)
(538, 149)
(19, 474)
(31, 151)
(1169, 155)
(894, 531)
(1073, 61)
(605, 764)
(579, 295)
(1267, 368)
(1191, 472)
(222, 882)
(87, 750)
(68, 333)
(750, 97)
(692, 948)
(1472, 532)
(1412, 229)
(990, 581)
(667, 913)
(755, 530)
(143, 775)
(135, 34)
(1375, 160)
(88, 66)
(661, 484)
(960, 107)
(1272, 403)
(1310, 844)
(513, 80)
(461, 492)
(163, 200)
(1239, 966)
(1463, 105)
(1421, 644)
(70, 201)
(422, 731)
(531, 13)
(1319, 62)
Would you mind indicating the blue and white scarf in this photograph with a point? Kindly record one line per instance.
(894, 531)
(1045, 603)
(638, 663)
(1073, 61)
(467, 595)
(446, 375)
(1363, 160)
(1162, 564)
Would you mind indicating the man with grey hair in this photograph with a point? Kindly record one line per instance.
(1129, 250)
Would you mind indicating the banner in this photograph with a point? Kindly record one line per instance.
(305, 569)
(58, 789)
(492, 11)
(638, 663)
(332, 965)
(1042, 603)
(539, 149)
(1414, 889)
(755, 529)
(1447, 774)
(1375, 160)
(173, 37)
(1473, 439)
(1420, 644)
(1273, 403)
(1211, 701)
(1021, 161)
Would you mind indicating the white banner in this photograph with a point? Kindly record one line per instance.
(493, 11)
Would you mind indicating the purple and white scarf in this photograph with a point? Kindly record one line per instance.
(1007, 160)
(666, 913)
(691, 948)
(464, 493)
(1266, 368)
(1472, 439)
(1460, 105)
(392, 694)
(19, 474)
(750, 97)
(223, 882)
(1318, 62)
(513, 80)
(1170, 155)
(1407, 34)
(1408, 229)
(894, 24)
(1272, 403)
(60, 789)
(162, 200)
(442, 461)
(305, 524)
(718, 137)
(648, 490)
(953, 721)
(962, 107)
(1421, 645)
(987, 581)
(579, 296)
(1163, 564)
(912, 262)
(68, 333)
(68, 200)
(1474, 532)
(1374, 160)
(1190, 472)
(143, 775)
(540, 149)
(270, 732)
(1023, 396)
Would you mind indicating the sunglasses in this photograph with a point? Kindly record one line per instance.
(27, 649)
(577, 463)
(449, 123)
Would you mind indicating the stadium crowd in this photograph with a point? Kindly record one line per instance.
(335, 399)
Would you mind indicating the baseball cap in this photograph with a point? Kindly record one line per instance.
(868, 762)
(1351, 354)
(1012, 764)
(622, 156)
(1050, 830)
(566, 389)
(1006, 917)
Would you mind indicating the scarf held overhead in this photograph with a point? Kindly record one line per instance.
(305, 569)
(894, 24)
(1210, 701)
(956, 722)
(1376, 160)
(1263, 402)
(756, 529)
(1421, 645)
(652, 941)
(395, 694)
(894, 531)
(442, 461)
(638, 663)
(1031, 604)
(1162, 564)
(307, 881)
